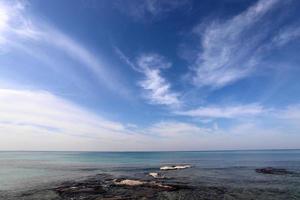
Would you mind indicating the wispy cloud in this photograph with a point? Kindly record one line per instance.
(125, 59)
(22, 31)
(39, 120)
(287, 35)
(225, 111)
(178, 129)
(13, 22)
(229, 48)
(149, 9)
(158, 89)
(240, 135)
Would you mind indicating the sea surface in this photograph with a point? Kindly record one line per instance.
(21, 171)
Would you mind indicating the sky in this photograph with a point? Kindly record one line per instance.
(151, 75)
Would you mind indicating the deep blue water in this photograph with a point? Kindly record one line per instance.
(21, 170)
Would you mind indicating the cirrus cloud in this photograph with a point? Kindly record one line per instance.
(230, 48)
(22, 32)
(224, 111)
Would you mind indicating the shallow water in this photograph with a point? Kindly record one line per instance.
(21, 171)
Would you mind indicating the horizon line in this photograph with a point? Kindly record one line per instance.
(152, 151)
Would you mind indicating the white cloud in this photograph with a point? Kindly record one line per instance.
(229, 48)
(4, 17)
(240, 135)
(157, 87)
(39, 120)
(152, 61)
(45, 112)
(178, 129)
(225, 111)
(255, 135)
(14, 23)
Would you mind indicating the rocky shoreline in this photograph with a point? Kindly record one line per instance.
(109, 187)
(106, 187)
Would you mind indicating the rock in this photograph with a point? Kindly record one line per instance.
(107, 187)
(182, 166)
(175, 167)
(156, 175)
(275, 171)
(167, 168)
(129, 182)
(153, 174)
(159, 185)
(89, 188)
(136, 183)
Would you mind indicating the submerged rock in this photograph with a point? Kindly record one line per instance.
(275, 171)
(175, 167)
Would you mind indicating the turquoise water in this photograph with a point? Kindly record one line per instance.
(23, 170)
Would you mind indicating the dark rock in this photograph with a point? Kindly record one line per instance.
(105, 187)
(275, 171)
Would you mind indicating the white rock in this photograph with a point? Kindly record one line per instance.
(154, 174)
(175, 167)
(130, 182)
(133, 183)
(182, 166)
(167, 168)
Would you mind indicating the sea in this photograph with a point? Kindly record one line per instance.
(21, 171)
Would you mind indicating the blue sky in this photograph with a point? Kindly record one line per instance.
(149, 75)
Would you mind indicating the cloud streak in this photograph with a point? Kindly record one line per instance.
(19, 30)
(229, 48)
(177, 129)
(225, 111)
(287, 35)
(39, 120)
